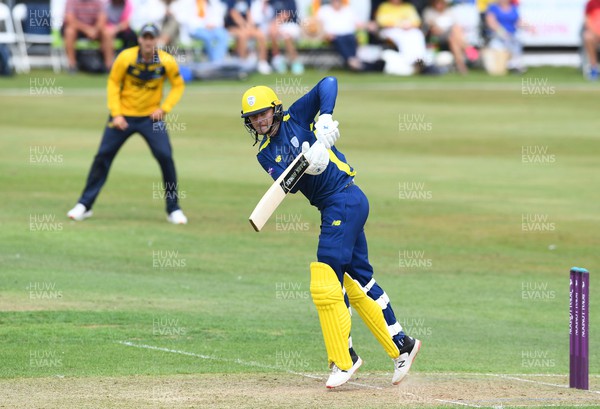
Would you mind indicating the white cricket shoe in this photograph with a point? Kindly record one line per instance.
(79, 213)
(177, 217)
(263, 67)
(339, 377)
(403, 363)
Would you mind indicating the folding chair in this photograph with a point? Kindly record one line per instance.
(29, 40)
(9, 37)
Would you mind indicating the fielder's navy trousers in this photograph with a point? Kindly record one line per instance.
(155, 134)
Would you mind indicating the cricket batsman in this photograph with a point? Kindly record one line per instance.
(342, 275)
(135, 89)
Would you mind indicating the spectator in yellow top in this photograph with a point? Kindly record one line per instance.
(135, 90)
(400, 23)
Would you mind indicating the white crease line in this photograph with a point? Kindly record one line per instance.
(514, 378)
(459, 403)
(236, 361)
(549, 375)
(550, 405)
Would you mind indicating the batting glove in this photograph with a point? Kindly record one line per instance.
(327, 130)
(317, 157)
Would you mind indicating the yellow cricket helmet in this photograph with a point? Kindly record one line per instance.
(259, 99)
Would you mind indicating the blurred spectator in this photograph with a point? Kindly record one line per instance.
(442, 30)
(591, 37)
(147, 12)
(420, 5)
(84, 19)
(240, 25)
(467, 16)
(118, 13)
(169, 35)
(204, 20)
(262, 14)
(340, 25)
(284, 26)
(400, 23)
(503, 20)
(482, 6)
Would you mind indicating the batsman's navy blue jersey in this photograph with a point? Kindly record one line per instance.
(344, 207)
(277, 152)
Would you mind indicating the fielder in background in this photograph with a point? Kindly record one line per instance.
(135, 87)
(342, 251)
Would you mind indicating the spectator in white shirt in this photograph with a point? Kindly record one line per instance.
(340, 25)
(204, 20)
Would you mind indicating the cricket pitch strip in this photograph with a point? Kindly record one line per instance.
(287, 390)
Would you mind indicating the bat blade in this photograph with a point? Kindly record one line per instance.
(277, 192)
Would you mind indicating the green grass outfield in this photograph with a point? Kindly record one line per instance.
(483, 193)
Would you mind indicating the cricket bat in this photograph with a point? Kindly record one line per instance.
(277, 192)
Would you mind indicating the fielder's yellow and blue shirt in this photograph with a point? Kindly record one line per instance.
(135, 87)
(277, 152)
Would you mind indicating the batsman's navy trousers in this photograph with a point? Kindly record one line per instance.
(343, 246)
(155, 134)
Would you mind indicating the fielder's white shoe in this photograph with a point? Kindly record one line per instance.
(403, 363)
(79, 213)
(339, 377)
(177, 217)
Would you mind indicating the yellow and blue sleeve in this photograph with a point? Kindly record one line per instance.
(177, 84)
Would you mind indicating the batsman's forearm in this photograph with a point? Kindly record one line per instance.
(327, 90)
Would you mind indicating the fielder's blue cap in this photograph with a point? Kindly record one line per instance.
(151, 29)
